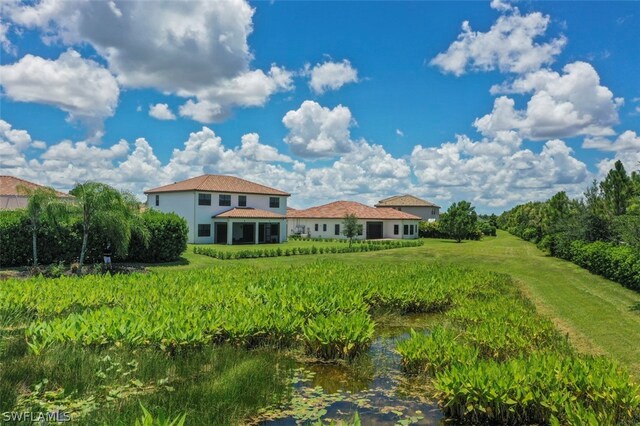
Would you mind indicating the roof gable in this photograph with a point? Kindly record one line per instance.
(218, 183)
(405, 200)
(9, 187)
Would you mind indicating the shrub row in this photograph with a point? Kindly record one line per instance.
(61, 242)
(617, 263)
(295, 251)
(434, 230)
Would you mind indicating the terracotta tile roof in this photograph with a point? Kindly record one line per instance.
(248, 212)
(9, 186)
(339, 209)
(405, 201)
(218, 183)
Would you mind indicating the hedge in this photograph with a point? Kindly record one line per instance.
(617, 263)
(168, 238)
(62, 242)
(434, 230)
(295, 251)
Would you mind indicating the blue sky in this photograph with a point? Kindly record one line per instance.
(497, 103)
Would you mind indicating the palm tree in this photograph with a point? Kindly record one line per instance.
(115, 213)
(43, 205)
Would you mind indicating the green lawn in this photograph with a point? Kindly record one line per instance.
(596, 313)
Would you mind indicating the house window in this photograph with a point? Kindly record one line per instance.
(204, 230)
(360, 229)
(406, 230)
(242, 201)
(336, 229)
(157, 200)
(433, 212)
(324, 227)
(410, 229)
(274, 202)
(224, 200)
(396, 229)
(204, 199)
(316, 227)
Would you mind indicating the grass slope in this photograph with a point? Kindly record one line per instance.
(597, 313)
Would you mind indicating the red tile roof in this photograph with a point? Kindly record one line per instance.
(218, 183)
(248, 212)
(339, 209)
(405, 201)
(9, 186)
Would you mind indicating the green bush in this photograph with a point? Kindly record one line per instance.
(167, 238)
(61, 242)
(618, 263)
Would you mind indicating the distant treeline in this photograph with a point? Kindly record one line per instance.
(600, 231)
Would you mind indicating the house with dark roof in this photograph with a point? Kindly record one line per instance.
(225, 209)
(326, 221)
(427, 210)
(12, 197)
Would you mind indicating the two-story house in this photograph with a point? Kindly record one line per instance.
(427, 210)
(225, 209)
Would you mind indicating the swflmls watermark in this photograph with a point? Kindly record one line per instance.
(35, 417)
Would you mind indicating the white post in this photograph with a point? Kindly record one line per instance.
(255, 233)
(229, 232)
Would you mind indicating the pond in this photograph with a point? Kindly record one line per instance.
(373, 385)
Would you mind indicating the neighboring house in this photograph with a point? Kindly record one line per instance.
(225, 209)
(326, 221)
(11, 198)
(408, 203)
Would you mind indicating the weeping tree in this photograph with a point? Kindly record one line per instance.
(113, 212)
(43, 205)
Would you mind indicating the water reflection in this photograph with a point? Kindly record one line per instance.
(373, 385)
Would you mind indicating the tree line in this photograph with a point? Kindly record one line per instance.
(599, 231)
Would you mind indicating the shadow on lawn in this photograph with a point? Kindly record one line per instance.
(635, 307)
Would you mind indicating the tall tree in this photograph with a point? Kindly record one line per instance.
(617, 189)
(351, 228)
(459, 220)
(43, 204)
(101, 206)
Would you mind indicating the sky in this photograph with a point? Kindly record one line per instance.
(493, 102)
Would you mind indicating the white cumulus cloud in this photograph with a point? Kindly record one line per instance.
(79, 86)
(316, 131)
(331, 75)
(161, 112)
(195, 49)
(627, 141)
(561, 105)
(510, 46)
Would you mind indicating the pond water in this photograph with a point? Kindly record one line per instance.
(373, 385)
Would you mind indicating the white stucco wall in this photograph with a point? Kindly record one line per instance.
(387, 228)
(429, 214)
(185, 204)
